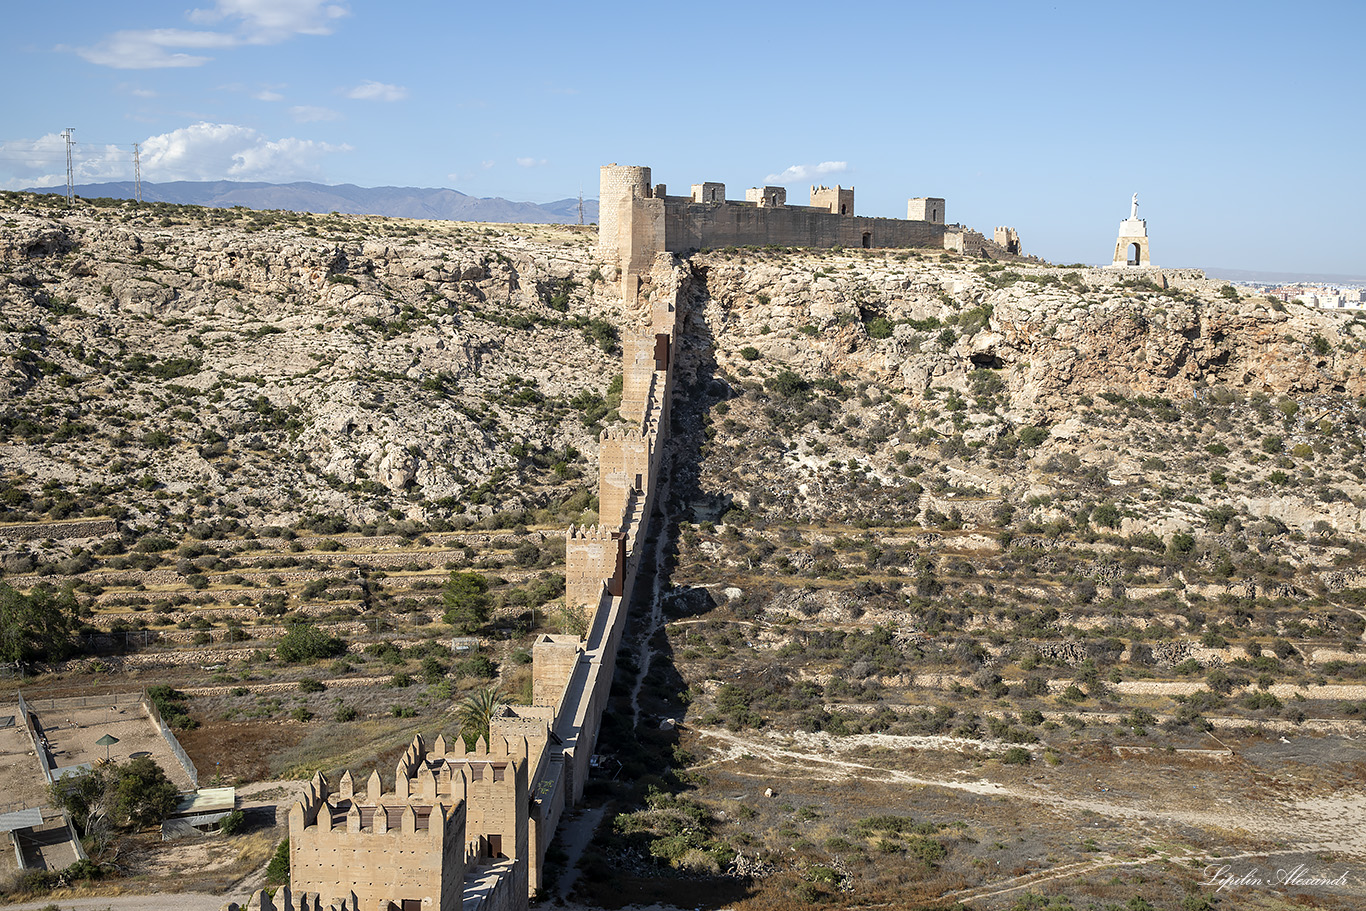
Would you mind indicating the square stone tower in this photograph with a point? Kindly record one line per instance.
(708, 192)
(836, 200)
(1008, 239)
(766, 197)
(926, 208)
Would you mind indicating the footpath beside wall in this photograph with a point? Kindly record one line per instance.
(603, 561)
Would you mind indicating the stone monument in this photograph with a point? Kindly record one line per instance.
(1131, 249)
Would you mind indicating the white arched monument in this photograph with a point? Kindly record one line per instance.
(1131, 249)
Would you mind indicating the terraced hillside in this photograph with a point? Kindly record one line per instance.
(1005, 580)
(962, 558)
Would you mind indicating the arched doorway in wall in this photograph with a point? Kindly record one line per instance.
(867, 240)
(1134, 254)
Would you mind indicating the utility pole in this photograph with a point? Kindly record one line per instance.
(70, 176)
(580, 205)
(137, 172)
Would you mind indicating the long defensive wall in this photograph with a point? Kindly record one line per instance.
(354, 853)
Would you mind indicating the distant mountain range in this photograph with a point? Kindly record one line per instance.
(397, 202)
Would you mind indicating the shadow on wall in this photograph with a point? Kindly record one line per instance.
(637, 762)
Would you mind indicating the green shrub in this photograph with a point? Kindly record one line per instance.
(467, 601)
(277, 871)
(304, 643)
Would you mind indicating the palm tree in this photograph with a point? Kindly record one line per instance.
(476, 713)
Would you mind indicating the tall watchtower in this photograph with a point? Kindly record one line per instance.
(617, 185)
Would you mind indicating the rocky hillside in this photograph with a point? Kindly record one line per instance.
(1055, 389)
(945, 517)
(992, 578)
(164, 361)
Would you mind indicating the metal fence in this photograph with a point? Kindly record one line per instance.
(39, 747)
(118, 643)
(111, 700)
(176, 750)
(86, 702)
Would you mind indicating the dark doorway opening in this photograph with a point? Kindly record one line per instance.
(867, 240)
(1133, 254)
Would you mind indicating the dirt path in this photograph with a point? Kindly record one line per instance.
(1083, 868)
(574, 836)
(646, 651)
(182, 901)
(1331, 824)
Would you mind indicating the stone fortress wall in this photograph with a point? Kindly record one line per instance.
(469, 830)
(638, 220)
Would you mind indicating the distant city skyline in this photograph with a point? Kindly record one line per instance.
(1043, 117)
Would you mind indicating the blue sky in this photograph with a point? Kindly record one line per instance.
(1238, 124)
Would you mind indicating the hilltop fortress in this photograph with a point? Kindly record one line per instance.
(637, 220)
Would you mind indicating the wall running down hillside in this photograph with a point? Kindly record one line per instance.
(554, 738)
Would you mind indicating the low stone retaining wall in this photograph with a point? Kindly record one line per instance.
(59, 531)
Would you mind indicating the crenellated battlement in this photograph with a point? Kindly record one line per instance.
(622, 432)
(591, 533)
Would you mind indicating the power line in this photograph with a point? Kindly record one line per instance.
(70, 174)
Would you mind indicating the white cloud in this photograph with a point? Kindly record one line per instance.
(201, 151)
(268, 95)
(377, 91)
(307, 113)
(802, 172)
(532, 162)
(487, 164)
(272, 21)
(218, 151)
(151, 48)
(245, 21)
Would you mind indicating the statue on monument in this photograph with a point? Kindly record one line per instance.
(1133, 207)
